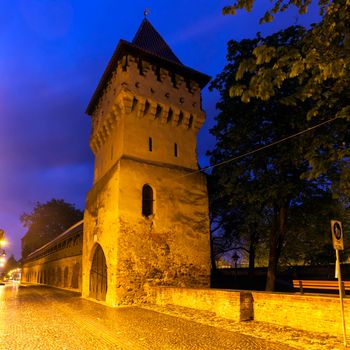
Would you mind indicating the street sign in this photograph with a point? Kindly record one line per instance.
(337, 235)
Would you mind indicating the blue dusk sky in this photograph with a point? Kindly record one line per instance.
(52, 55)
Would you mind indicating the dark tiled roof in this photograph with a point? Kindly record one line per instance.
(147, 38)
(149, 45)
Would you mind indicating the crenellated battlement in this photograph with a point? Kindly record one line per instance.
(140, 89)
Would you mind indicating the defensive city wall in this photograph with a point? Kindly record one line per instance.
(57, 263)
(310, 312)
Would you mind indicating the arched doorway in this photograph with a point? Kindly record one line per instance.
(98, 275)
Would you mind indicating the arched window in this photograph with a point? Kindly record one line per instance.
(147, 200)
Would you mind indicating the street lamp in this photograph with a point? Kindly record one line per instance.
(2, 239)
(235, 258)
(2, 235)
(2, 243)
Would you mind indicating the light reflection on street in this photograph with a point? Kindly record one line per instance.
(36, 317)
(2, 311)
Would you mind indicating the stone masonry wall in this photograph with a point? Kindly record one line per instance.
(310, 312)
(58, 263)
(169, 248)
(316, 313)
(101, 226)
(233, 305)
(62, 273)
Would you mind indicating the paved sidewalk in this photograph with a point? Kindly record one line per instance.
(34, 317)
(281, 334)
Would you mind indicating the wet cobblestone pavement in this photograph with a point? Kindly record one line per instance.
(34, 317)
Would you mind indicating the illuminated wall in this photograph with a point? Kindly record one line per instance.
(146, 113)
(57, 263)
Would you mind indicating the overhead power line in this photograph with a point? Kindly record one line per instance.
(260, 148)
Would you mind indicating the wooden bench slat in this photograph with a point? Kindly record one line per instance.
(317, 284)
(312, 282)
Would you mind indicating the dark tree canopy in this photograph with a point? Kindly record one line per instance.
(320, 68)
(47, 221)
(11, 263)
(255, 197)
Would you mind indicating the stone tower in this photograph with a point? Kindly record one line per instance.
(146, 218)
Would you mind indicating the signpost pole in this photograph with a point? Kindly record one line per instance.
(340, 294)
(338, 244)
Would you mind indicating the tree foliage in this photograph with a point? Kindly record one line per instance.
(47, 221)
(256, 196)
(320, 66)
(11, 263)
(308, 239)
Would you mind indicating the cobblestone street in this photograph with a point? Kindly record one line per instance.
(35, 317)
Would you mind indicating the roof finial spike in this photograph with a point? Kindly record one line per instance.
(146, 12)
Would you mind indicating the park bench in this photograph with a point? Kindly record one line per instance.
(315, 284)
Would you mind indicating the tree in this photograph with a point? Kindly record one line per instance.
(47, 221)
(263, 186)
(235, 225)
(308, 240)
(320, 66)
(11, 263)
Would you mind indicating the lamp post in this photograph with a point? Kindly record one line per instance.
(2, 252)
(235, 258)
(2, 258)
(2, 237)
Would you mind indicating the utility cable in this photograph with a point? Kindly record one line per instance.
(259, 149)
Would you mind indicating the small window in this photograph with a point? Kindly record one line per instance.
(157, 71)
(190, 122)
(147, 106)
(134, 104)
(158, 111)
(173, 80)
(170, 116)
(150, 144)
(125, 63)
(181, 117)
(175, 149)
(147, 200)
(140, 67)
(189, 85)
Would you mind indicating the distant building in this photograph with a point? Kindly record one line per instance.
(146, 218)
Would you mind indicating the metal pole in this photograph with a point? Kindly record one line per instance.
(236, 271)
(340, 294)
